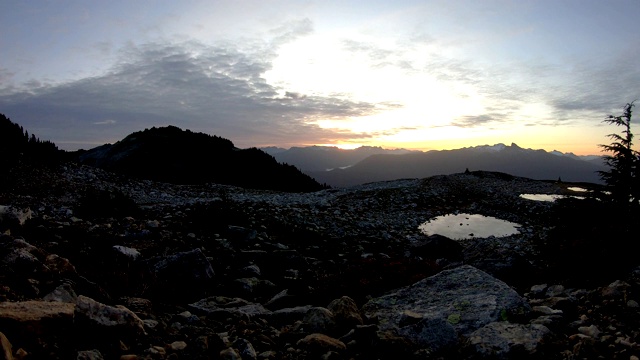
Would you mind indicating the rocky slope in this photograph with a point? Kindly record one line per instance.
(94, 265)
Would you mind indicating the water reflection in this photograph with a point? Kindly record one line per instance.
(541, 197)
(467, 226)
(547, 197)
(577, 189)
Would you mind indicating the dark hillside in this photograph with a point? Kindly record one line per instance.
(169, 154)
(16, 145)
(20, 153)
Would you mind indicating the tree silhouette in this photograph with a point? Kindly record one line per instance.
(623, 176)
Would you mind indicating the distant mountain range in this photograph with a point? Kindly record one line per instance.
(340, 168)
(324, 158)
(170, 154)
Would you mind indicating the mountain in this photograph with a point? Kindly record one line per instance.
(273, 150)
(534, 164)
(170, 154)
(322, 158)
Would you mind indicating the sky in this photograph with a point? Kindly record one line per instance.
(398, 74)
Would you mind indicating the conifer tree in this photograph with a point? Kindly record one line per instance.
(624, 162)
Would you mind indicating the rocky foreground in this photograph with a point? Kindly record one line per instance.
(95, 266)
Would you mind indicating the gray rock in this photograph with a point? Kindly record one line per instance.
(13, 214)
(591, 331)
(245, 349)
(288, 316)
(538, 290)
(346, 312)
(127, 252)
(555, 291)
(23, 257)
(230, 354)
(254, 287)
(251, 271)
(89, 355)
(318, 320)
(221, 307)
(117, 319)
(63, 293)
(462, 299)
(503, 340)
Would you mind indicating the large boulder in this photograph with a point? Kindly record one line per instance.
(96, 316)
(34, 324)
(433, 313)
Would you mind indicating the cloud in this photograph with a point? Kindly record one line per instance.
(105, 122)
(475, 121)
(215, 89)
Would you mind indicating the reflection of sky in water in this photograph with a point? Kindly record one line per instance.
(577, 189)
(541, 197)
(546, 197)
(467, 226)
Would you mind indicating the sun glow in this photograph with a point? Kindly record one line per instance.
(405, 97)
(414, 107)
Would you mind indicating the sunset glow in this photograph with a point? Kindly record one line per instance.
(409, 74)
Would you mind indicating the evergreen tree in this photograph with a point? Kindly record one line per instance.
(623, 176)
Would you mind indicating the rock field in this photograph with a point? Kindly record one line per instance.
(97, 266)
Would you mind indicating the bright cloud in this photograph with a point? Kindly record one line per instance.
(415, 74)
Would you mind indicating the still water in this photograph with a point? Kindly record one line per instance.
(547, 197)
(467, 226)
(541, 197)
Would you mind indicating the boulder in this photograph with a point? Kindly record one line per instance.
(503, 340)
(35, 317)
(34, 324)
(11, 214)
(320, 343)
(63, 293)
(245, 349)
(220, 307)
(114, 320)
(21, 256)
(318, 320)
(89, 355)
(346, 312)
(5, 348)
(435, 311)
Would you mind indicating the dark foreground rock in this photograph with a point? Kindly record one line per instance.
(435, 312)
(217, 272)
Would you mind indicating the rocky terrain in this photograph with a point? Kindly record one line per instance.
(98, 266)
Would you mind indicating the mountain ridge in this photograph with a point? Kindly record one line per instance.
(535, 164)
(170, 154)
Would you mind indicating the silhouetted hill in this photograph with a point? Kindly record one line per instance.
(16, 145)
(534, 164)
(322, 158)
(170, 154)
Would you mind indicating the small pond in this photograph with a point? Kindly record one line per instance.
(547, 197)
(577, 189)
(541, 197)
(467, 226)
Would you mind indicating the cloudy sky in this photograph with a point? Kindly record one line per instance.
(414, 74)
